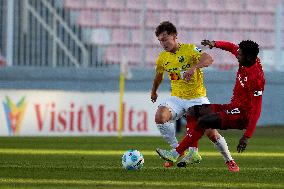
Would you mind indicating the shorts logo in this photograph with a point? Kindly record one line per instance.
(233, 111)
(257, 93)
(14, 114)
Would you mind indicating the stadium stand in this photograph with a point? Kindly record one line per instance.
(109, 27)
(213, 19)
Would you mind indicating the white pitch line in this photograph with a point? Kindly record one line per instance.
(119, 152)
(111, 183)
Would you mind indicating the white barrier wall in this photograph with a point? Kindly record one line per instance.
(54, 113)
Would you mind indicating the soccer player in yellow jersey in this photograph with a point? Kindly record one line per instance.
(183, 63)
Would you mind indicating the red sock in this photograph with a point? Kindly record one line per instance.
(191, 124)
(192, 136)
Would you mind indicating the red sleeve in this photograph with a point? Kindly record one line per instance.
(254, 116)
(256, 90)
(228, 46)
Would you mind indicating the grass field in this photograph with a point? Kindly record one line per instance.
(95, 162)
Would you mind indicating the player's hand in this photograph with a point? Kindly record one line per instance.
(242, 144)
(206, 42)
(188, 74)
(154, 96)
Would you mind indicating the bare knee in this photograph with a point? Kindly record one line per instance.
(163, 115)
(212, 134)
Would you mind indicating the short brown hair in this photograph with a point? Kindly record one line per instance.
(166, 26)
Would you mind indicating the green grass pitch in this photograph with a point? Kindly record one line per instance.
(95, 162)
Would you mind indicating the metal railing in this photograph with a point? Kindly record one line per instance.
(41, 36)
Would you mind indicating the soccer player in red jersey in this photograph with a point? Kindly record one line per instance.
(242, 112)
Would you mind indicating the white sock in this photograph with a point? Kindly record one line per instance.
(168, 131)
(193, 149)
(175, 153)
(222, 146)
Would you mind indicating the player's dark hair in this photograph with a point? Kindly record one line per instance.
(166, 26)
(249, 48)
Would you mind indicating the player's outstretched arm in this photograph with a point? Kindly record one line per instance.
(156, 83)
(224, 45)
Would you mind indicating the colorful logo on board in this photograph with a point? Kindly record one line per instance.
(14, 114)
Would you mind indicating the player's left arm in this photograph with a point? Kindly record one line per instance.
(254, 116)
(204, 61)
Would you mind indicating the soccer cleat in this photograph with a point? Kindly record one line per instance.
(192, 157)
(232, 166)
(166, 155)
(168, 164)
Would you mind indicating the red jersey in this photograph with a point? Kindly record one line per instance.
(248, 88)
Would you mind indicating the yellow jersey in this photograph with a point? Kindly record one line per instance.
(176, 64)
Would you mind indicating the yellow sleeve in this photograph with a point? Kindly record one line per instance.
(159, 65)
(195, 53)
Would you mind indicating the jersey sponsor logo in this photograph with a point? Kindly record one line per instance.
(174, 76)
(233, 111)
(197, 49)
(181, 59)
(242, 80)
(257, 93)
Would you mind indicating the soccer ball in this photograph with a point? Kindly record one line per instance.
(132, 160)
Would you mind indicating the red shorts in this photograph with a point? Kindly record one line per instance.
(233, 117)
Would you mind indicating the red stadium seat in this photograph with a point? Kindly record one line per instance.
(134, 55)
(156, 4)
(151, 38)
(120, 36)
(227, 20)
(271, 5)
(256, 5)
(184, 36)
(215, 5)
(115, 4)
(108, 18)
(129, 18)
(247, 21)
(198, 5)
(113, 55)
(97, 4)
(176, 5)
(266, 21)
(134, 4)
(168, 16)
(188, 20)
(151, 55)
(136, 37)
(87, 18)
(207, 20)
(152, 19)
(233, 5)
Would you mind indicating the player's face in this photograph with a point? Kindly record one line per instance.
(242, 59)
(168, 41)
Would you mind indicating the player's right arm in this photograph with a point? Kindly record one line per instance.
(156, 83)
(157, 79)
(224, 45)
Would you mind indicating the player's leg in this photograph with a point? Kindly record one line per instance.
(217, 120)
(192, 156)
(168, 111)
(219, 143)
(163, 119)
(193, 134)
